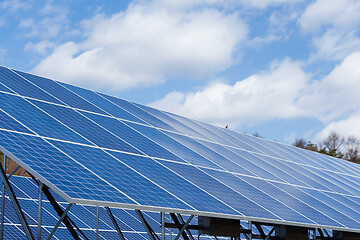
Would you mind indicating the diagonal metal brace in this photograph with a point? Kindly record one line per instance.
(269, 234)
(67, 221)
(147, 227)
(178, 225)
(16, 205)
(59, 222)
(187, 228)
(184, 227)
(115, 223)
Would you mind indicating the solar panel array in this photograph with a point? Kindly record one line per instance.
(83, 216)
(92, 148)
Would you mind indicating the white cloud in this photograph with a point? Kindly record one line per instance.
(257, 4)
(284, 91)
(41, 47)
(47, 23)
(272, 94)
(143, 44)
(336, 95)
(333, 45)
(334, 26)
(346, 127)
(340, 14)
(15, 5)
(266, 3)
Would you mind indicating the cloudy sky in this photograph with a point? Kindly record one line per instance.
(285, 69)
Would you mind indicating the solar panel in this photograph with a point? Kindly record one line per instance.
(95, 149)
(83, 216)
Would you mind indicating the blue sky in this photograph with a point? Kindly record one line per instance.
(285, 69)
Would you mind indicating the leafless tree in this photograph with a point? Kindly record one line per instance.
(352, 149)
(332, 143)
(300, 142)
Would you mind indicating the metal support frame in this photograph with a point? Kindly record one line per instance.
(250, 228)
(39, 211)
(115, 223)
(184, 227)
(97, 222)
(16, 204)
(245, 232)
(162, 216)
(269, 234)
(14, 171)
(170, 231)
(149, 230)
(3, 204)
(261, 231)
(67, 221)
(178, 225)
(62, 217)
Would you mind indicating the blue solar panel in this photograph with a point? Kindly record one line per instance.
(23, 87)
(103, 103)
(256, 195)
(93, 148)
(193, 195)
(10, 123)
(132, 137)
(243, 205)
(38, 121)
(85, 127)
(139, 113)
(61, 93)
(83, 216)
(70, 177)
(121, 177)
(180, 127)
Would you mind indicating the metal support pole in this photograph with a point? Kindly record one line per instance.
(145, 224)
(250, 228)
(184, 227)
(115, 223)
(162, 214)
(186, 230)
(39, 211)
(67, 221)
(97, 222)
(3, 204)
(16, 205)
(170, 231)
(59, 222)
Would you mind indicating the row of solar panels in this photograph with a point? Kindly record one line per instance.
(94, 147)
(83, 216)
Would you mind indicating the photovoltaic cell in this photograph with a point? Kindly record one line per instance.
(132, 137)
(104, 104)
(18, 84)
(61, 93)
(148, 118)
(171, 181)
(240, 203)
(7, 122)
(85, 127)
(70, 177)
(180, 127)
(38, 121)
(120, 176)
